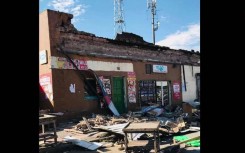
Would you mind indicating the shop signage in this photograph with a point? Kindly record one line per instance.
(160, 69)
(43, 57)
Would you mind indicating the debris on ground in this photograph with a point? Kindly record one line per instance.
(100, 131)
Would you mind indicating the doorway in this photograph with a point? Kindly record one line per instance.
(118, 94)
(163, 92)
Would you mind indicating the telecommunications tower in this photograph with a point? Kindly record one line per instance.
(119, 25)
(151, 4)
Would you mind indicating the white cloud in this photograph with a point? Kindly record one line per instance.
(78, 10)
(62, 5)
(163, 18)
(69, 6)
(188, 39)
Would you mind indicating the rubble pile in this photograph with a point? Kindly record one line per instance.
(105, 131)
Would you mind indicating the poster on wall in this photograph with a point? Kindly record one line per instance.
(131, 87)
(45, 81)
(132, 90)
(63, 63)
(107, 84)
(176, 90)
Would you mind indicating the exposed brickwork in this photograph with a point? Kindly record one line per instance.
(73, 43)
(130, 37)
(64, 35)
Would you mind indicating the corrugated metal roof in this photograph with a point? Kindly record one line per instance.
(114, 128)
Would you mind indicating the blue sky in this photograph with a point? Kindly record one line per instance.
(179, 19)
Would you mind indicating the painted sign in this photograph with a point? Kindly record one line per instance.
(72, 88)
(176, 90)
(160, 69)
(131, 87)
(43, 57)
(45, 81)
(63, 63)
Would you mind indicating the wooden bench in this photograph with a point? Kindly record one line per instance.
(46, 120)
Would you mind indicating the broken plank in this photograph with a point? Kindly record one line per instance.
(101, 134)
(92, 139)
(163, 130)
(114, 120)
(87, 123)
(72, 130)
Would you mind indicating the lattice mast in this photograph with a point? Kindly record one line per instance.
(119, 24)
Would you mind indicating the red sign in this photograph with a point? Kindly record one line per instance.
(45, 81)
(176, 89)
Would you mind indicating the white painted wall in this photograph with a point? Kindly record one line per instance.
(62, 63)
(190, 94)
(110, 66)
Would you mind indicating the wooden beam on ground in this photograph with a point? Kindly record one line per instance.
(87, 123)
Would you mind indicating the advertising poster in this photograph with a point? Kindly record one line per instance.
(176, 90)
(45, 81)
(131, 87)
(107, 84)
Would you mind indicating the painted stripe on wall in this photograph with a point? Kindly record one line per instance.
(110, 66)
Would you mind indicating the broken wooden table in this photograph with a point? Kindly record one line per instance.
(146, 127)
(46, 120)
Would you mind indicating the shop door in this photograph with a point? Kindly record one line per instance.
(163, 92)
(118, 94)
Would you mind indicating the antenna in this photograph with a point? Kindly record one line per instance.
(119, 25)
(151, 4)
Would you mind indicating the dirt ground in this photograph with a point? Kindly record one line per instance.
(64, 147)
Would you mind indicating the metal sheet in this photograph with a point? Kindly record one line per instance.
(114, 128)
(82, 143)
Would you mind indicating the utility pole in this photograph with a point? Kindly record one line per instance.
(151, 4)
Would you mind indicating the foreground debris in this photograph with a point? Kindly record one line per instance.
(100, 131)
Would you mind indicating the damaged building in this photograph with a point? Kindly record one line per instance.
(135, 73)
